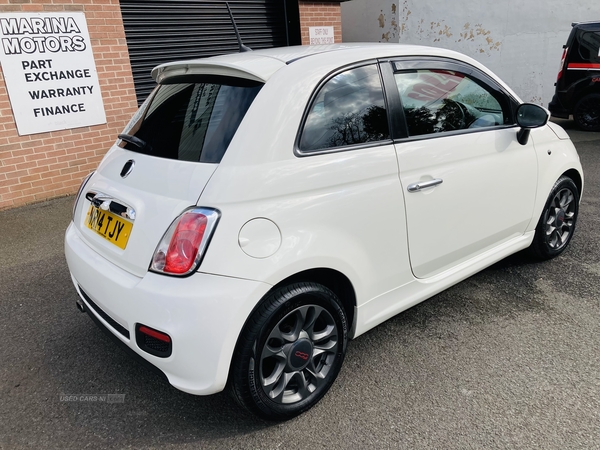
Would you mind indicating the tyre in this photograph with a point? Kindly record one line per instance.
(557, 222)
(587, 113)
(290, 351)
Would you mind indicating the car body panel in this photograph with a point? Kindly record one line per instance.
(555, 158)
(157, 189)
(251, 66)
(386, 306)
(486, 197)
(339, 220)
(203, 319)
(559, 131)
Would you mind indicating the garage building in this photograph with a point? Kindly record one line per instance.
(128, 38)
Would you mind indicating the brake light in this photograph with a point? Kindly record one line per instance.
(79, 192)
(181, 249)
(562, 64)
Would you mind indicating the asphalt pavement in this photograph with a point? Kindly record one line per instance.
(509, 358)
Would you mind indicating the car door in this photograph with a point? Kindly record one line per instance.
(468, 184)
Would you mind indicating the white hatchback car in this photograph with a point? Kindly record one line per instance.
(262, 209)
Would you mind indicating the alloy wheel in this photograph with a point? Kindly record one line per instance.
(587, 113)
(298, 354)
(559, 219)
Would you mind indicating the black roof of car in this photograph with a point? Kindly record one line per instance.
(587, 26)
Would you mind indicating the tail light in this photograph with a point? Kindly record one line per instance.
(181, 249)
(562, 63)
(81, 188)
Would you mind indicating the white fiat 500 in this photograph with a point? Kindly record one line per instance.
(263, 208)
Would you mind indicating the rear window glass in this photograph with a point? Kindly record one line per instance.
(587, 48)
(193, 121)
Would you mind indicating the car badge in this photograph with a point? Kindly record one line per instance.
(127, 168)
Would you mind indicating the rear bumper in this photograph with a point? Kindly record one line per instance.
(122, 345)
(557, 109)
(203, 314)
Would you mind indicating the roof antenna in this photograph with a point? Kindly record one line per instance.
(243, 48)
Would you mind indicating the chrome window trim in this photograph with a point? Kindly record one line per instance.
(344, 148)
(423, 137)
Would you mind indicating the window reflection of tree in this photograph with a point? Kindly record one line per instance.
(358, 128)
(426, 120)
(349, 110)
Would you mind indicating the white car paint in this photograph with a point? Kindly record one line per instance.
(198, 312)
(489, 176)
(283, 213)
(157, 189)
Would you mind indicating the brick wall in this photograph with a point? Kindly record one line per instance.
(46, 165)
(320, 14)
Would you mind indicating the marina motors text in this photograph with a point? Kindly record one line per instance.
(41, 35)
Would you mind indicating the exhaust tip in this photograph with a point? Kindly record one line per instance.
(80, 306)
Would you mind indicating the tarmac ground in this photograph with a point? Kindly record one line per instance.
(509, 358)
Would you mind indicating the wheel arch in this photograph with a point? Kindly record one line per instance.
(334, 280)
(551, 238)
(331, 279)
(574, 175)
(586, 89)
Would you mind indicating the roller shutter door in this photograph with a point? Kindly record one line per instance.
(160, 31)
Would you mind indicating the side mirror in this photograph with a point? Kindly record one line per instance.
(530, 116)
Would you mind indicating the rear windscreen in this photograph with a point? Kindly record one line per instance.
(588, 47)
(190, 121)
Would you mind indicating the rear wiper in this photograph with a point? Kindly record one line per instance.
(142, 145)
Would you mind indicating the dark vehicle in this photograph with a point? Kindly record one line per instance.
(578, 82)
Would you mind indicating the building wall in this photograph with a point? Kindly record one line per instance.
(320, 14)
(520, 41)
(46, 165)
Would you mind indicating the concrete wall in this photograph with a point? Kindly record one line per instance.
(520, 40)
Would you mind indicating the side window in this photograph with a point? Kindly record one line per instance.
(435, 101)
(589, 46)
(349, 109)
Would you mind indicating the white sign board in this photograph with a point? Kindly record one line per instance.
(50, 71)
(321, 35)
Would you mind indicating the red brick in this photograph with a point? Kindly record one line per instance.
(29, 178)
(60, 159)
(5, 204)
(12, 195)
(13, 161)
(41, 166)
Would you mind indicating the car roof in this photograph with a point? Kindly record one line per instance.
(587, 26)
(260, 65)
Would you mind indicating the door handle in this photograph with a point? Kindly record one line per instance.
(107, 203)
(416, 187)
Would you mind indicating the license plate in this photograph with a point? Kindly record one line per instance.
(111, 227)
